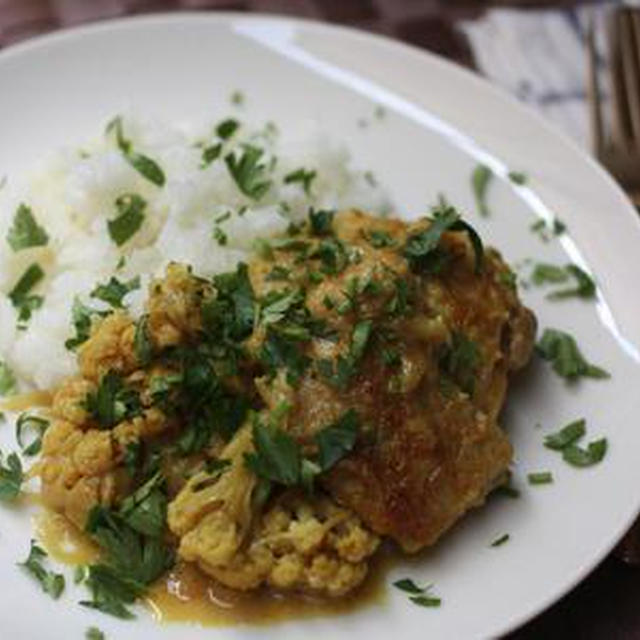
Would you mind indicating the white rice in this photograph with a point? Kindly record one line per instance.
(74, 196)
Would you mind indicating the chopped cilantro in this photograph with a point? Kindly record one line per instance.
(562, 351)
(51, 583)
(321, 221)
(11, 477)
(409, 586)
(544, 272)
(585, 286)
(540, 477)
(480, 179)
(220, 236)
(579, 457)
(336, 440)
(142, 344)
(379, 239)
(114, 291)
(332, 255)
(25, 231)
(129, 219)
(37, 425)
(345, 367)
(93, 633)
(420, 596)
(460, 360)
(145, 510)
(144, 165)
(237, 98)
(248, 172)
(302, 176)
(278, 273)
(7, 379)
(426, 601)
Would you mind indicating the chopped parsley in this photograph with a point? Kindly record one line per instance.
(336, 440)
(501, 540)
(379, 239)
(114, 291)
(543, 273)
(210, 154)
(144, 165)
(20, 295)
(248, 172)
(321, 221)
(226, 128)
(565, 440)
(459, 361)
(332, 255)
(278, 273)
(93, 633)
(302, 176)
(519, 178)
(81, 316)
(112, 402)
(480, 180)
(130, 216)
(34, 424)
(420, 596)
(541, 228)
(540, 477)
(585, 286)
(11, 477)
(7, 379)
(562, 351)
(220, 236)
(237, 98)
(422, 250)
(142, 344)
(566, 436)
(25, 232)
(51, 583)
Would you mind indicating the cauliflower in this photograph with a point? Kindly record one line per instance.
(304, 543)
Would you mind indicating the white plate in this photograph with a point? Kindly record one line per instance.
(440, 121)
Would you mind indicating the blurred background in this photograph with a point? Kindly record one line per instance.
(576, 63)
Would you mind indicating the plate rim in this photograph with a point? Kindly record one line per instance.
(141, 21)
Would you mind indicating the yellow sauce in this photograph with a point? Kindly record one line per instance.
(185, 594)
(24, 401)
(62, 540)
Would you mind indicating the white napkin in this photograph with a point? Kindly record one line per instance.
(541, 57)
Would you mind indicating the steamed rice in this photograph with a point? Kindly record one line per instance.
(74, 196)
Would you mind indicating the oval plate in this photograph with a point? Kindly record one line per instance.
(438, 121)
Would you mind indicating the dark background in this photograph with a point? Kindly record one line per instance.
(605, 605)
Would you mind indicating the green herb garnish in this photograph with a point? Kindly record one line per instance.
(227, 128)
(418, 595)
(460, 361)
(585, 286)
(112, 402)
(35, 424)
(321, 221)
(248, 172)
(544, 272)
(210, 154)
(25, 232)
(302, 176)
(93, 633)
(144, 165)
(566, 436)
(20, 295)
(142, 344)
(579, 457)
(114, 291)
(517, 177)
(562, 351)
(501, 540)
(129, 219)
(480, 180)
(379, 239)
(81, 316)
(11, 477)
(51, 583)
(540, 477)
(7, 379)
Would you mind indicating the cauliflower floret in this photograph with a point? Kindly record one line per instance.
(300, 543)
(174, 306)
(110, 348)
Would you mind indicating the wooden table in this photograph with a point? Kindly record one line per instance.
(607, 604)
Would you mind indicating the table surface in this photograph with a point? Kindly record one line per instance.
(605, 605)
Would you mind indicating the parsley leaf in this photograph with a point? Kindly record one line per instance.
(93, 633)
(544, 272)
(144, 165)
(408, 585)
(145, 510)
(129, 219)
(480, 179)
(460, 361)
(114, 291)
(345, 367)
(540, 477)
(501, 540)
(112, 402)
(562, 351)
(20, 297)
(81, 317)
(336, 440)
(380, 239)
(304, 177)
(321, 221)
(585, 286)
(11, 477)
(248, 172)
(519, 178)
(579, 457)
(110, 593)
(421, 248)
(7, 379)
(142, 344)
(25, 231)
(36, 424)
(210, 154)
(51, 583)
(420, 596)
(566, 436)
(226, 128)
